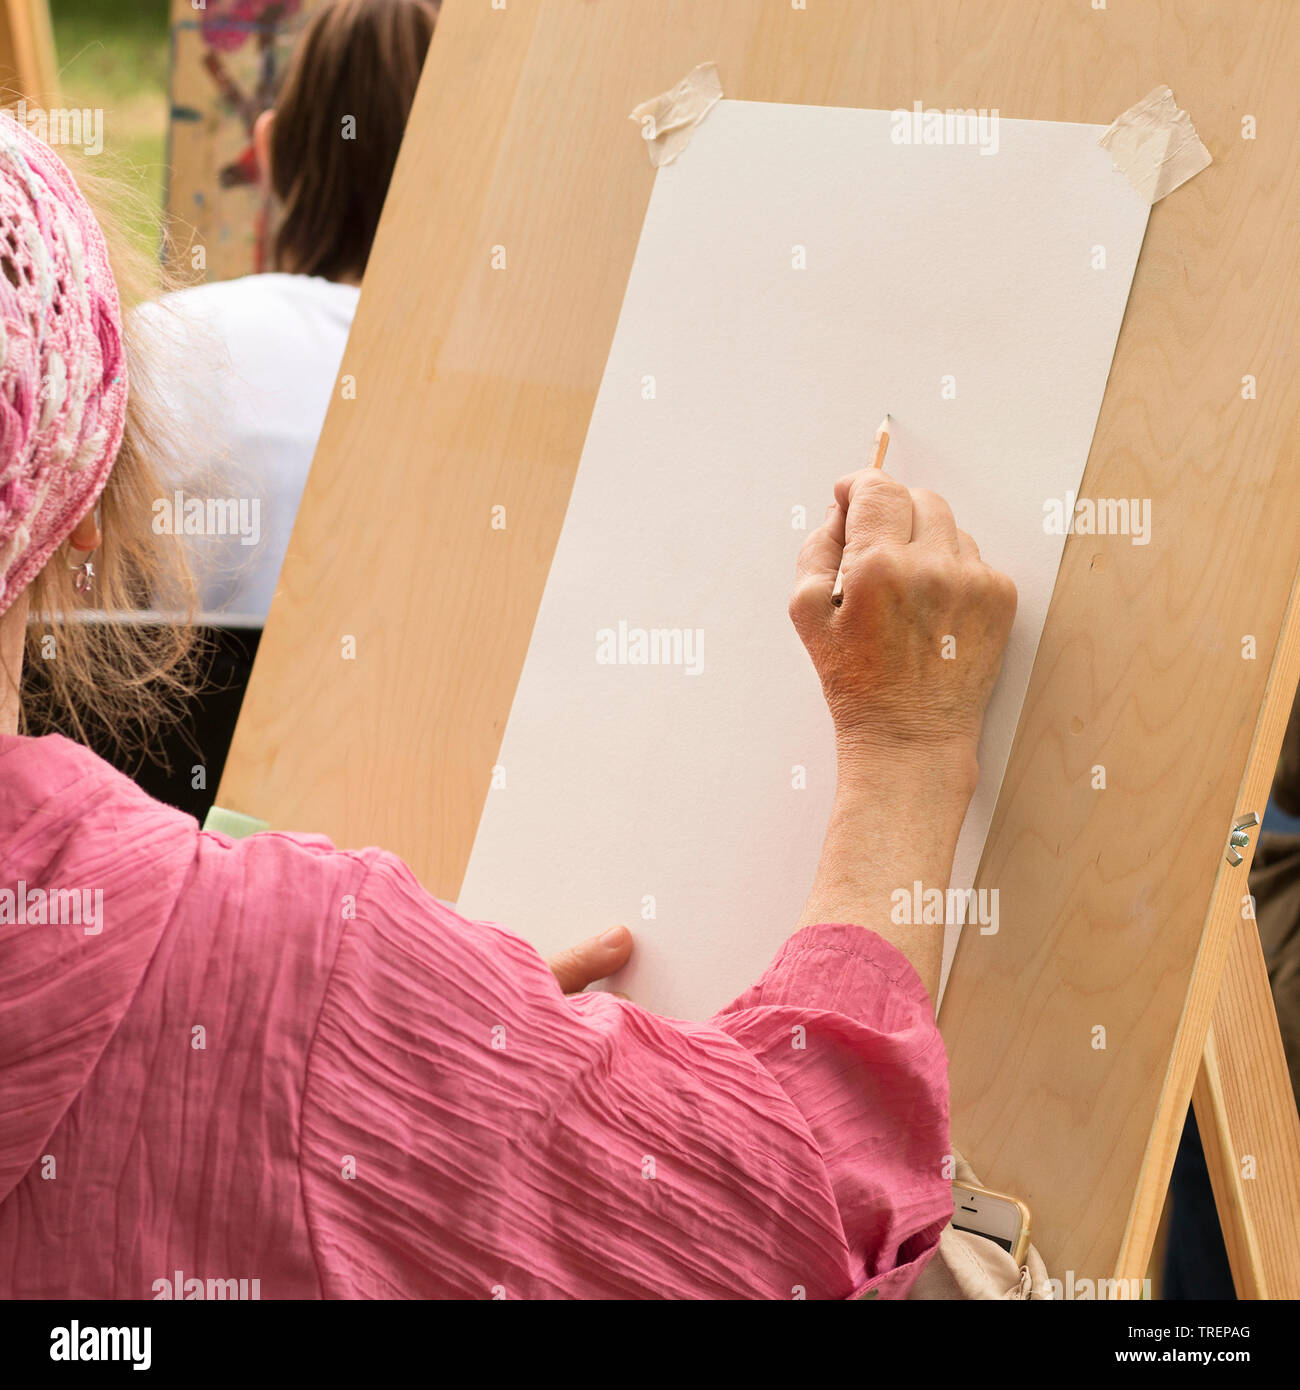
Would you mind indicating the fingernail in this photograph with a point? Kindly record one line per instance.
(613, 937)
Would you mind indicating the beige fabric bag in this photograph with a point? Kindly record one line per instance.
(971, 1266)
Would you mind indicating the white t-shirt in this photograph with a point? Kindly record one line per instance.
(247, 370)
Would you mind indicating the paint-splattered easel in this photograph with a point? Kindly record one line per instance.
(227, 60)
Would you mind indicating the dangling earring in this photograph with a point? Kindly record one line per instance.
(79, 561)
(85, 571)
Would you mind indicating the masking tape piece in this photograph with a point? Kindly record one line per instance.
(1155, 146)
(233, 823)
(668, 120)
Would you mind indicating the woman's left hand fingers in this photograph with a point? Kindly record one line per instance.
(591, 960)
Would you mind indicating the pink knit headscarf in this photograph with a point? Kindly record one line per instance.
(63, 382)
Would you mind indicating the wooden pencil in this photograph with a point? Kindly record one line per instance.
(877, 461)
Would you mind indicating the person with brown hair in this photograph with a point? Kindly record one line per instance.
(256, 358)
(329, 147)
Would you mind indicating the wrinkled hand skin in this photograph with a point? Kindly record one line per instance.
(908, 660)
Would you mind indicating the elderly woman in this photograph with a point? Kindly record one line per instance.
(275, 1060)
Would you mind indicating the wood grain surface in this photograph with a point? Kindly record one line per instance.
(473, 388)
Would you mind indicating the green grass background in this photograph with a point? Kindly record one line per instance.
(113, 56)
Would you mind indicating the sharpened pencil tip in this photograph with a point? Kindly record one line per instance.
(881, 443)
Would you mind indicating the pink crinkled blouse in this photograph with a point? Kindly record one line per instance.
(270, 1059)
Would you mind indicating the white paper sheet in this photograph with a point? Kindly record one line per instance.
(631, 788)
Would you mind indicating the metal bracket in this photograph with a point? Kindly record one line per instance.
(1240, 837)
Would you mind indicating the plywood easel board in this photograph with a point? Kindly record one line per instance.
(391, 657)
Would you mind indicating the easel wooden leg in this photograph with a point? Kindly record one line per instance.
(1246, 1113)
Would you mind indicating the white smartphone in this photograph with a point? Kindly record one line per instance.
(995, 1215)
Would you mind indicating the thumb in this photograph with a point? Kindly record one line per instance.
(591, 960)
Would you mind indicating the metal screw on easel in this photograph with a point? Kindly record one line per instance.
(1240, 837)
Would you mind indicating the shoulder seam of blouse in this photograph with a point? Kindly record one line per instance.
(57, 797)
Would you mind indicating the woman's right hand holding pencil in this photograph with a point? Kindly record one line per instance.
(908, 660)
